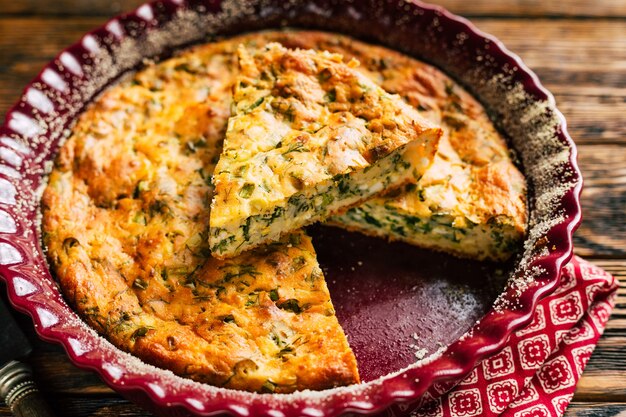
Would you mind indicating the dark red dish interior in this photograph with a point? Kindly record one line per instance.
(398, 303)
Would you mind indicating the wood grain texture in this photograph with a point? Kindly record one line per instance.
(40, 40)
(526, 8)
(581, 409)
(101, 406)
(582, 62)
(603, 230)
(67, 7)
(536, 8)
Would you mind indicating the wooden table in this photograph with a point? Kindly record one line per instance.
(578, 49)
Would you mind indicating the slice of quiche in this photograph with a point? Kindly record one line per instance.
(309, 136)
(125, 224)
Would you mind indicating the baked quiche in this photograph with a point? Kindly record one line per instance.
(125, 224)
(126, 219)
(309, 136)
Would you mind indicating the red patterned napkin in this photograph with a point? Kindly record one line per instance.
(535, 375)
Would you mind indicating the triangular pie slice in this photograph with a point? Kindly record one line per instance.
(309, 136)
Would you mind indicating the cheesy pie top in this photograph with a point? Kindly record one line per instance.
(302, 120)
(471, 202)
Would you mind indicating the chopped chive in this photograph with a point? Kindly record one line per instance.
(256, 104)
(140, 283)
(298, 263)
(140, 332)
(247, 190)
(268, 387)
(291, 305)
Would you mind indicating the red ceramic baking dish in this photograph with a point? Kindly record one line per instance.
(461, 332)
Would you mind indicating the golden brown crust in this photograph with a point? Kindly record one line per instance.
(473, 161)
(125, 222)
(301, 120)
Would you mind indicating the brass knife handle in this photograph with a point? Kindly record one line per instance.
(20, 393)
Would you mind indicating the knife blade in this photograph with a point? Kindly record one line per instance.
(17, 386)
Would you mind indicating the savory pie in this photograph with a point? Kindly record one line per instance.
(309, 136)
(126, 219)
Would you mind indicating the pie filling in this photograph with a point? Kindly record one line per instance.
(319, 202)
(309, 136)
(495, 241)
(127, 211)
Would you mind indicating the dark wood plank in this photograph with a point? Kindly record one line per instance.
(583, 63)
(57, 375)
(527, 8)
(536, 8)
(602, 386)
(583, 409)
(101, 406)
(594, 113)
(40, 40)
(25, 38)
(67, 7)
(603, 230)
(597, 47)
